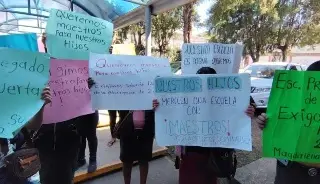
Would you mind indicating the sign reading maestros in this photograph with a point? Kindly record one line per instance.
(73, 35)
(203, 110)
(224, 58)
(125, 82)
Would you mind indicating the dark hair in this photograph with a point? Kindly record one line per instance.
(44, 41)
(314, 66)
(110, 49)
(206, 70)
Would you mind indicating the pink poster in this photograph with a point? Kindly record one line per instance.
(69, 90)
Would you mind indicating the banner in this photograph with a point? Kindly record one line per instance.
(124, 49)
(293, 129)
(125, 82)
(23, 76)
(203, 110)
(27, 42)
(73, 35)
(69, 90)
(224, 58)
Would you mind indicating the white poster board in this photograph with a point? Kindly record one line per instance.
(124, 82)
(203, 110)
(224, 58)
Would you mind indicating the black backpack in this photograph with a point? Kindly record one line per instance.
(222, 162)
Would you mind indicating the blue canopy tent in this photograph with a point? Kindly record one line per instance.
(18, 16)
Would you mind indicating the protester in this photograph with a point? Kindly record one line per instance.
(88, 131)
(194, 159)
(113, 118)
(34, 124)
(136, 141)
(58, 144)
(290, 171)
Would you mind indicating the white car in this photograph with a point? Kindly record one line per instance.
(261, 79)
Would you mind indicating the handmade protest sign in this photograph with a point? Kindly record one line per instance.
(293, 130)
(203, 110)
(73, 35)
(27, 42)
(124, 82)
(224, 58)
(69, 90)
(23, 76)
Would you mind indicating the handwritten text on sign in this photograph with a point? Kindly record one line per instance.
(125, 82)
(70, 33)
(23, 75)
(224, 58)
(69, 90)
(203, 110)
(293, 130)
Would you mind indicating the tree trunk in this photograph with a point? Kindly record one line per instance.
(187, 22)
(284, 51)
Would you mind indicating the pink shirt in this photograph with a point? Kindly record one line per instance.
(138, 119)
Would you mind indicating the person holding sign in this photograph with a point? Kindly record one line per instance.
(58, 144)
(194, 167)
(88, 131)
(136, 141)
(291, 171)
(5, 149)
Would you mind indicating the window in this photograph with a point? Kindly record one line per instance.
(293, 67)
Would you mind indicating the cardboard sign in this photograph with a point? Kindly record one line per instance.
(23, 76)
(224, 58)
(73, 35)
(69, 89)
(27, 42)
(203, 110)
(125, 82)
(293, 131)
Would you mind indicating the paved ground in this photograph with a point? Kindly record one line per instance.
(261, 171)
(105, 154)
(162, 171)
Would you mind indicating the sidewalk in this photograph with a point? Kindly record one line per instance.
(261, 171)
(162, 171)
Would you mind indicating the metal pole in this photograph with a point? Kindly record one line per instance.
(148, 23)
(29, 9)
(71, 5)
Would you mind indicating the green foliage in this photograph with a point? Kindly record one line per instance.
(164, 27)
(265, 25)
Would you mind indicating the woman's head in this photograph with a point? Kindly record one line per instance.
(206, 70)
(314, 66)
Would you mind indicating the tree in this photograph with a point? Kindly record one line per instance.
(266, 24)
(298, 24)
(137, 31)
(164, 27)
(245, 21)
(189, 17)
(121, 35)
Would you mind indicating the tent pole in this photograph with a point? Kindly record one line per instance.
(148, 23)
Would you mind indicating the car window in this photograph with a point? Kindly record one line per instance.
(293, 68)
(263, 71)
